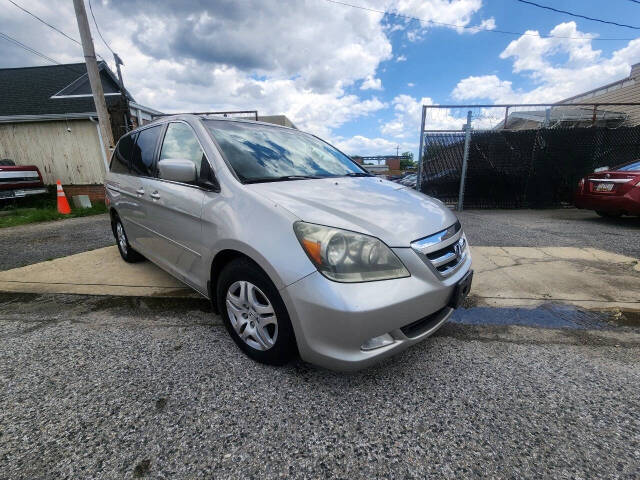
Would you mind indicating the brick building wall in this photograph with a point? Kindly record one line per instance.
(393, 163)
(96, 193)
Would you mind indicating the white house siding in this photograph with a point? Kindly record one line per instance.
(74, 157)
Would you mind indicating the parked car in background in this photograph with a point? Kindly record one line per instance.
(409, 180)
(19, 181)
(298, 247)
(611, 192)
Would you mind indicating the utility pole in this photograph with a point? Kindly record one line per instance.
(420, 154)
(118, 60)
(465, 161)
(94, 76)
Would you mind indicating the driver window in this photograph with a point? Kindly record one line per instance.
(181, 143)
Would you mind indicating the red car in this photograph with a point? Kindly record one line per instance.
(611, 193)
(19, 181)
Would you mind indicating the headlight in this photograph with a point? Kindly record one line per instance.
(345, 256)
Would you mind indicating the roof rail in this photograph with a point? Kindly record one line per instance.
(229, 113)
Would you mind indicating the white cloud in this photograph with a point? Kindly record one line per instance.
(360, 145)
(411, 85)
(486, 24)
(558, 67)
(371, 83)
(486, 86)
(405, 124)
(219, 55)
(223, 54)
(454, 12)
(401, 58)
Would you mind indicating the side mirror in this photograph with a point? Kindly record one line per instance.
(177, 170)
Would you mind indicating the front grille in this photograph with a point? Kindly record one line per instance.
(444, 251)
(418, 327)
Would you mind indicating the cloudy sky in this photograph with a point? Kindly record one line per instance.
(354, 76)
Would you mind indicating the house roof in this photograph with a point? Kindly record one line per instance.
(53, 89)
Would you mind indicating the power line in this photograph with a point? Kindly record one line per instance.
(483, 29)
(53, 27)
(577, 15)
(635, 1)
(45, 22)
(27, 48)
(98, 28)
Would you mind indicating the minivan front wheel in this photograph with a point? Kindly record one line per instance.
(254, 314)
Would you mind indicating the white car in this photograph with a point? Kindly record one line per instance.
(298, 247)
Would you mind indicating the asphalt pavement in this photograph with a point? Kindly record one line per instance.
(38, 242)
(97, 387)
(115, 387)
(564, 227)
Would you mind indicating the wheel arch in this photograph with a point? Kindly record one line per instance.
(220, 260)
(113, 215)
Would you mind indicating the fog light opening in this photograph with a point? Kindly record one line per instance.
(377, 342)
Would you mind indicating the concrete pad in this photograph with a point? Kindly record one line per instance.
(504, 276)
(585, 277)
(96, 272)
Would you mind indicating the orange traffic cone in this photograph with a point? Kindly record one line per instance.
(63, 204)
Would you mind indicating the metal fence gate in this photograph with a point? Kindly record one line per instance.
(513, 156)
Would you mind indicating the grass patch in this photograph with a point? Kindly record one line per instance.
(41, 208)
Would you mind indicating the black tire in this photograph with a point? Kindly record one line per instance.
(127, 253)
(244, 270)
(608, 214)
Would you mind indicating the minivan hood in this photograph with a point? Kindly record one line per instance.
(395, 214)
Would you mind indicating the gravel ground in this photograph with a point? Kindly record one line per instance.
(119, 387)
(552, 228)
(27, 244)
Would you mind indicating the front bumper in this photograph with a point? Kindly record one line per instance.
(333, 320)
(21, 193)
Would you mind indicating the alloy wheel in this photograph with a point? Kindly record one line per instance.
(251, 315)
(122, 238)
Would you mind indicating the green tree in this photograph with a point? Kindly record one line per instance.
(407, 162)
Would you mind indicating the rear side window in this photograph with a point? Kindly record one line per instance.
(122, 155)
(143, 152)
(181, 143)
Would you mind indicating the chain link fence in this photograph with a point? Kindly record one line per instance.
(535, 166)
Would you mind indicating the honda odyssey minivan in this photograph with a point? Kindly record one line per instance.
(299, 248)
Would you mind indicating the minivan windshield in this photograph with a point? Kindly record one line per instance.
(261, 153)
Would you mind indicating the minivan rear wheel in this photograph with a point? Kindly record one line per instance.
(254, 314)
(127, 253)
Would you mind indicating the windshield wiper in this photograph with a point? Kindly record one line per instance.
(281, 179)
(358, 174)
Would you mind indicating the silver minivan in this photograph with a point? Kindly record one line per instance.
(299, 248)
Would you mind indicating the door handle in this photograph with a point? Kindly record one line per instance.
(140, 191)
(155, 196)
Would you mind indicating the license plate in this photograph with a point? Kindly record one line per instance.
(461, 290)
(604, 187)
